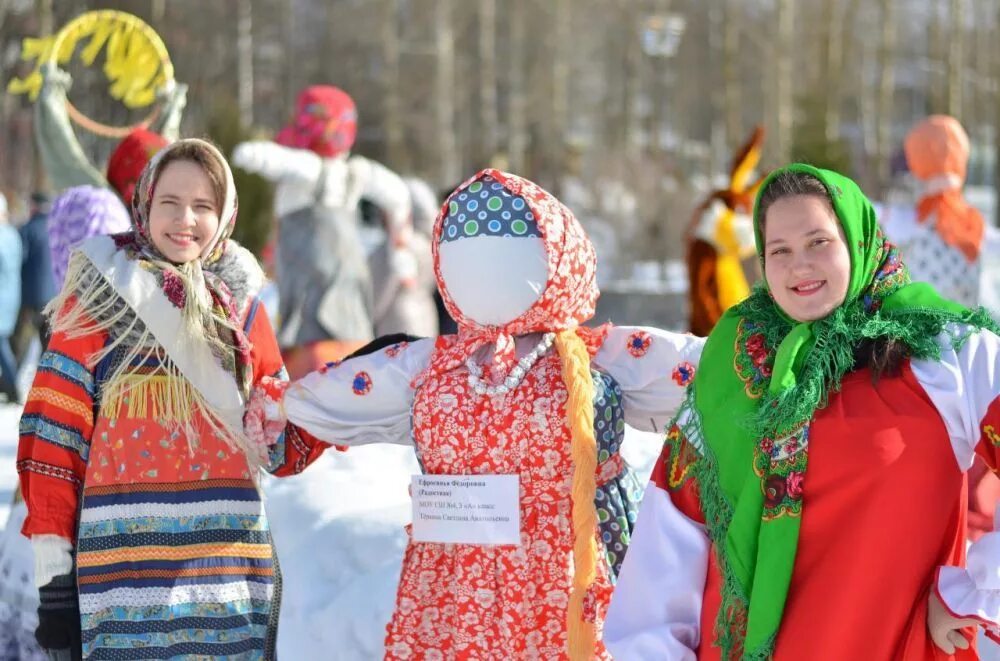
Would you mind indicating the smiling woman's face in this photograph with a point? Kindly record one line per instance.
(184, 215)
(806, 261)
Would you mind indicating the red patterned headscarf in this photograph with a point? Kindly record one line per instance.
(570, 295)
(325, 122)
(143, 199)
(129, 159)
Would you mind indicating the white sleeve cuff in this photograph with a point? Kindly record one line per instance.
(53, 557)
(974, 591)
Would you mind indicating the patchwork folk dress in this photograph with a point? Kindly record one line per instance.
(460, 600)
(128, 459)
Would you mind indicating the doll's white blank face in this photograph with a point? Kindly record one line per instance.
(494, 279)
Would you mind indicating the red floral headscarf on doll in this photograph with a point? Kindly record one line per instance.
(570, 295)
(325, 122)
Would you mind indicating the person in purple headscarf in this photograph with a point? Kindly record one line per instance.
(77, 214)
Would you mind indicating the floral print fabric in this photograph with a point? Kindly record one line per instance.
(491, 602)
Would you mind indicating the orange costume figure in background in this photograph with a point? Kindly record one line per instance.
(718, 238)
(943, 241)
(942, 235)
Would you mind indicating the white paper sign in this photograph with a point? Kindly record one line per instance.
(466, 509)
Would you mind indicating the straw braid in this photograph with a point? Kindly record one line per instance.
(580, 416)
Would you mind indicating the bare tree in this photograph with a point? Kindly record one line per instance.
(996, 117)
(836, 15)
(632, 81)
(157, 11)
(956, 50)
(392, 119)
(244, 60)
(46, 26)
(556, 139)
(785, 100)
(886, 88)
(444, 99)
(517, 120)
(487, 75)
(732, 85)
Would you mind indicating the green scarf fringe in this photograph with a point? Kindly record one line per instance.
(832, 355)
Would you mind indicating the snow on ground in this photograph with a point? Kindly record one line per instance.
(9, 416)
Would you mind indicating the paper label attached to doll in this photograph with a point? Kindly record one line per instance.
(466, 509)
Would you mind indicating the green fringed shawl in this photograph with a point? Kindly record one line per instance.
(760, 379)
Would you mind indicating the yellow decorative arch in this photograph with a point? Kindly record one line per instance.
(136, 62)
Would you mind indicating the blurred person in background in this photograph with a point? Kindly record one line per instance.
(402, 269)
(78, 214)
(37, 284)
(10, 300)
(325, 289)
(947, 242)
(941, 236)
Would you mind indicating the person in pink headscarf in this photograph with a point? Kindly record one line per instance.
(323, 278)
(522, 396)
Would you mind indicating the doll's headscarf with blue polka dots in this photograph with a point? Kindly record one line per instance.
(498, 204)
(486, 208)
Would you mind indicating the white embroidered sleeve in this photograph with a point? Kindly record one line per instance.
(655, 611)
(276, 162)
(653, 368)
(965, 387)
(361, 400)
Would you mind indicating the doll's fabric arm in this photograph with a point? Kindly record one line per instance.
(361, 400)
(653, 368)
(278, 163)
(965, 387)
(655, 612)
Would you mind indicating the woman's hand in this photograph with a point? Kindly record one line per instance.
(945, 628)
(265, 417)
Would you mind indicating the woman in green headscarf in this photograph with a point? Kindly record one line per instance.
(809, 502)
